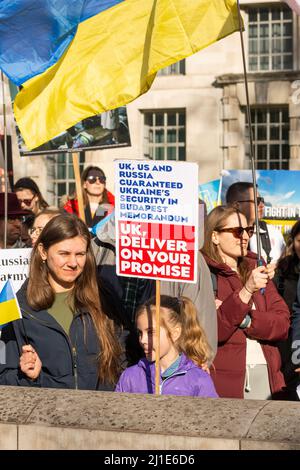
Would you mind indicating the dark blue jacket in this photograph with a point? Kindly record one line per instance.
(67, 361)
(187, 380)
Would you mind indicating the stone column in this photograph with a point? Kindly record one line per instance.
(232, 138)
(294, 137)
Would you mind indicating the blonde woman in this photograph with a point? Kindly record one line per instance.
(250, 322)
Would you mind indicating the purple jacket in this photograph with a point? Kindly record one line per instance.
(187, 380)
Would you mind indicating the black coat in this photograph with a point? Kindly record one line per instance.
(67, 361)
(286, 280)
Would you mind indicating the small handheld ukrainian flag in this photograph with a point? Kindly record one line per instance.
(9, 307)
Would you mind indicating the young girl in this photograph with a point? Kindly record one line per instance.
(183, 352)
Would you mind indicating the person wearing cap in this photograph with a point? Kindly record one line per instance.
(97, 200)
(15, 214)
(30, 196)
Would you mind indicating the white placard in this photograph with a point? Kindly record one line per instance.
(14, 265)
(157, 219)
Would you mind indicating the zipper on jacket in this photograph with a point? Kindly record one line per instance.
(74, 353)
(182, 372)
(71, 347)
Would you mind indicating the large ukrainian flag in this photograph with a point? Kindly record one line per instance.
(99, 55)
(9, 307)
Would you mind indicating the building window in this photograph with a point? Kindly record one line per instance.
(164, 135)
(175, 69)
(64, 178)
(270, 39)
(270, 131)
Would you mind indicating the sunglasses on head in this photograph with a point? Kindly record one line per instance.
(92, 179)
(27, 202)
(260, 200)
(238, 232)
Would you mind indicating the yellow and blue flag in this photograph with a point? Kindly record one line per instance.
(35, 33)
(9, 307)
(79, 58)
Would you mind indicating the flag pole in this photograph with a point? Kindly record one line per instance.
(252, 160)
(157, 342)
(25, 332)
(78, 185)
(5, 161)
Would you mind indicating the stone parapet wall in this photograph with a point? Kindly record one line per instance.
(34, 418)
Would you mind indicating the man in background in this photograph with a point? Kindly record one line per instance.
(241, 195)
(15, 215)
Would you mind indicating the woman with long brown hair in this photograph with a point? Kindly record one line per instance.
(64, 340)
(250, 321)
(31, 199)
(97, 200)
(30, 196)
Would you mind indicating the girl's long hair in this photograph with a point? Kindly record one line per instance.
(84, 176)
(85, 295)
(181, 311)
(215, 221)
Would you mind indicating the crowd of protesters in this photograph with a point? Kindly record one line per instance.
(231, 334)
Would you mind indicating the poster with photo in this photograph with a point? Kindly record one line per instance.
(102, 131)
(280, 190)
(210, 193)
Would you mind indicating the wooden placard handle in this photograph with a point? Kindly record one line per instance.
(157, 345)
(78, 185)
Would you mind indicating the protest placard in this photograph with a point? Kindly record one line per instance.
(14, 266)
(280, 190)
(157, 219)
